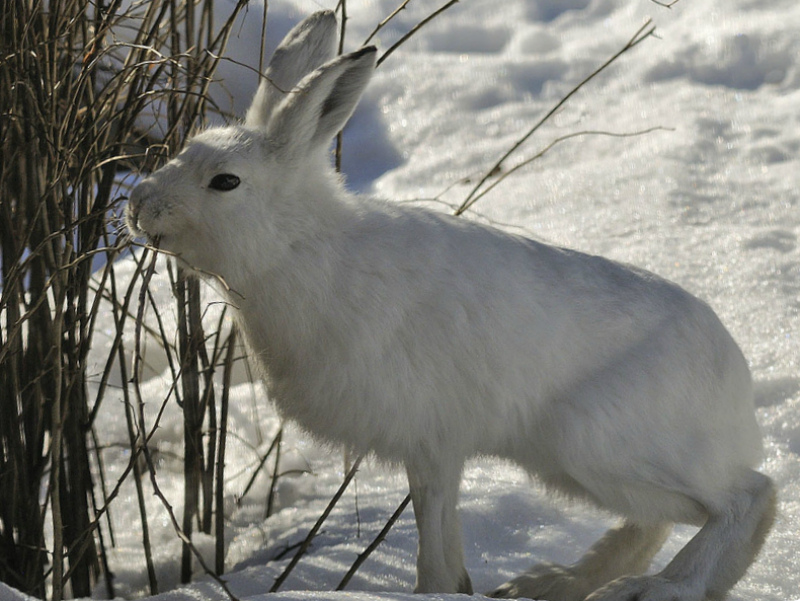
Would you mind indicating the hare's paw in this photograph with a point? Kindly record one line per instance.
(550, 582)
(465, 584)
(645, 588)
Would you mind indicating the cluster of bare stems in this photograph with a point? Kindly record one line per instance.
(71, 106)
(72, 97)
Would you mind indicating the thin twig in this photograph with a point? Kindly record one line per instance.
(263, 37)
(174, 520)
(665, 4)
(313, 532)
(262, 461)
(208, 274)
(56, 455)
(374, 544)
(273, 483)
(223, 433)
(414, 30)
(644, 32)
(152, 470)
(556, 142)
(337, 153)
(135, 380)
(385, 22)
(135, 456)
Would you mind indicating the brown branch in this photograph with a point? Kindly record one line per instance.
(385, 22)
(149, 459)
(313, 532)
(414, 30)
(644, 32)
(665, 4)
(556, 142)
(374, 544)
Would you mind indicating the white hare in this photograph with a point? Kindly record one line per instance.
(428, 339)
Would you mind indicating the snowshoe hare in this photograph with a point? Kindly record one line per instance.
(428, 339)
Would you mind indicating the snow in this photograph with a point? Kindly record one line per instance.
(710, 201)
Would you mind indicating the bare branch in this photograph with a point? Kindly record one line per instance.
(374, 544)
(665, 4)
(644, 32)
(414, 30)
(313, 532)
(385, 22)
(554, 143)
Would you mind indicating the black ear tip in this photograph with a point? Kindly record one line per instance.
(365, 51)
(324, 14)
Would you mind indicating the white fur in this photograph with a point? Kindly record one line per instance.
(428, 339)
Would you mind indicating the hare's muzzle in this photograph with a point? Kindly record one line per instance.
(132, 214)
(138, 200)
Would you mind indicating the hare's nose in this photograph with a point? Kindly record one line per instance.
(142, 194)
(139, 193)
(136, 200)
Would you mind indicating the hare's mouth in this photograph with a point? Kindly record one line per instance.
(137, 231)
(154, 240)
(134, 224)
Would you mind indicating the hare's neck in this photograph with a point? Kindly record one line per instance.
(283, 309)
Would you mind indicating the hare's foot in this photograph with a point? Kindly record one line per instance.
(626, 549)
(546, 581)
(646, 588)
(465, 584)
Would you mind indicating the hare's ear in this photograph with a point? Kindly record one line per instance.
(309, 44)
(322, 103)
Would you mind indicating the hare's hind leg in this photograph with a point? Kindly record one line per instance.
(626, 549)
(716, 558)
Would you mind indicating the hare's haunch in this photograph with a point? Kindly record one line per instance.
(427, 340)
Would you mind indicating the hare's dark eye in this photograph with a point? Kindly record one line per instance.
(224, 182)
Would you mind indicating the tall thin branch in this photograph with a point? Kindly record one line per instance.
(386, 21)
(553, 144)
(414, 30)
(313, 532)
(362, 557)
(644, 32)
(223, 436)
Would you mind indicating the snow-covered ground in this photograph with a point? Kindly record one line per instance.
(710, 201)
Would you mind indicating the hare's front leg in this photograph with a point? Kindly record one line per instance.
(440, 554)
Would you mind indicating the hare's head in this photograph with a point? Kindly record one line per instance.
(248, 192)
